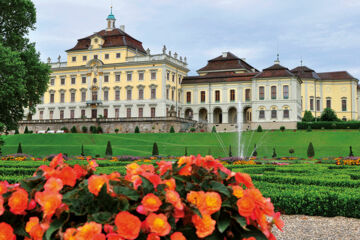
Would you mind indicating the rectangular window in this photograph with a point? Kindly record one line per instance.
(61, 114)
(62, 81)
(328, 103)
(261, 93)
(317, 104)
(247, 95)
(74, 59)
(128, 94)
(217, 96)
(51, 114)
(105, 113)
(83, 113)
(129, 76)
(273, 113)
(173, 77)
(286, 91)
(167, 94)
(273, 92)
(106, 78)
(141, 76)
(141, 112)
(52, 81)
(95, 56)
(106, 95)
(117, 113)
(52, 97)
(286, 113)
(343, 105)
(94, 96)
(117, 95)
(128, 112)
(261, 114)
(83, 79)
(73, 80)
(141, 94)
(72, 97)
(118, 55)
(172, 95)
(117, 77)
(232, 95)
(72, 113)
(84, 58)
(106, 56)
(168, 76)
(188, 97)
(62, 97)
(312, 104)
(153, 112)
(83, 96)
(153, 93)
(202, 96)
(153, 75)
(41, 115)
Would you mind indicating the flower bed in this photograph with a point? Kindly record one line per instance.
(192, 198)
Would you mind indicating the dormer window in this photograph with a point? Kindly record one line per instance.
(96, 40)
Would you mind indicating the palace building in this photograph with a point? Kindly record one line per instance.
(109, 79)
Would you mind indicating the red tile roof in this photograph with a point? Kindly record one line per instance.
(275, 70)
(114, 38)
(340, 75)
(305, 72)
(230, 62)
(219, 77)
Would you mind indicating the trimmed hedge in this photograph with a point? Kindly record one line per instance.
(329, 125)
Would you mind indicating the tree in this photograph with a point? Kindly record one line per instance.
(310, 150)
(186, 152)
(137, 129)
(213, 130)
(19, 150)
(259, 129)
(84, 129)
(23, 77)
(172, 130)
(274, 155)
(16, 131)
(255, 152)
(99, 129)
(308, 117)
(328, 115)
(108, 151)
(291, 151)
(82, 150)
(155, 150)
(230, 153)
(116, 130)
(26, 131)
(73, 129)
(351, 154)
(309, 128)
(282, 128)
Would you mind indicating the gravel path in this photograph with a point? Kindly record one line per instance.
(310, 228)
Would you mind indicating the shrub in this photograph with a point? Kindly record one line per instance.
(65, 129)
(282, 128)
(26, 131)
(93, 205)
(328, 115)
(82, 150)
(155, 150)
(309, 128)
(84, 129)
(351, 154)
(116, 130)
(310, 150)
(73, 129)
(274, 155)
(99, 129)
(230, 153)
(259, 129)
(213, 130)
(2, 142)
(192, 129)
(255, 153)
(172, 130)
(16, 131)
(137, 129)
(329, 125)
(291, 151)
(93, 129)
(19, 150)
(108, 151)
(186, 152)
(308, 117)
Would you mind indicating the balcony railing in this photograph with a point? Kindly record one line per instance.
(94, 102)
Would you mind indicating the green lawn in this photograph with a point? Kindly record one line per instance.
(327, 143)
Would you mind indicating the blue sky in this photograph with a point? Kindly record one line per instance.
(324, 33)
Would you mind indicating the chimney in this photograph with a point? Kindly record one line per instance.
(224, 54)
(122, 28)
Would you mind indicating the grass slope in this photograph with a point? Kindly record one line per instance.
(326, 143)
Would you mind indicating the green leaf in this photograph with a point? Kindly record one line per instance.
(54, 226)
(240, 220)
(101, 217)
(147, 185)
(129, 193)
(219, 187)
(224, 222)
(254, 232)
(196, 211)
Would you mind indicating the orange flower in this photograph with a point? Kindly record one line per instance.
(196, 198)
(186, 171)
(1, 206)
(170, 183)
(238, 191)
(92, 164)
(153, 236)
(133, 169)
(3, 187)
(57, 160)
(151, 202)
(18, 201)
(177, 236)
(89, 231)
(164, 166)
(158, 224)
(34, 229)
(113, 236)
(49, 201)
(211, 204)
(68, 176)
(70, 234)
(245, 206)
(6, 232)
(53, 184)
(250, 238)
(128, 225)
(173, 197)
(256, 195)
(79, 171)
(244, 178)
(95, 183)
(278, 222)
(205, 226)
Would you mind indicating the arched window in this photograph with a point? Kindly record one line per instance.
(343, 104)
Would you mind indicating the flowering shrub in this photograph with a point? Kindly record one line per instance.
(348, 161)
(193, 198)
(19, 157)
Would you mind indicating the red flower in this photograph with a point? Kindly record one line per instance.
(277, 220)
(57, 160)
(68, 176)
(128, 225)
(243, 178)
(158, 224)
(151, 202)
(18, 201)
(245, 206)
(95, 183)
(153, 236)
(6, 232)
(164, 166)
(53, 184)
(173, 197)
(177, 236)
(3, 187)
(34, 229)
(49, 201)
(1, 206)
